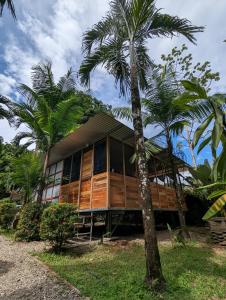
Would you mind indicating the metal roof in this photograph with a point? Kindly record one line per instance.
(96, 128)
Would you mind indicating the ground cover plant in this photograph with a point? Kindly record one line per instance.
(194, 272)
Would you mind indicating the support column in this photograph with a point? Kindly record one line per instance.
(108, 223)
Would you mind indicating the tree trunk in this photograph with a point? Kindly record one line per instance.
(191, 148)
(179, 196)
(154, 276)
(43, 181)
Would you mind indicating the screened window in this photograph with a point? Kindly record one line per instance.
(52, 169)
(59, 167)
(100, 157)
(49, 193)
(56, 191)
(116, 157)
(54, 176)
(130, 169)
(76, 163)
(67, 170)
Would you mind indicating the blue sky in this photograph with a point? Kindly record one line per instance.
(52, 30)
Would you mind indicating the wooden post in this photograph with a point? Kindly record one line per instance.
(80, 180)
(91, 181)
(91, 226)
(108, 222)
(108, 173)
(124, 172)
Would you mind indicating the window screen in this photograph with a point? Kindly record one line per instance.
(67, 170)
(100, 157)
(76, 163)
(130, 169)
(116, 157)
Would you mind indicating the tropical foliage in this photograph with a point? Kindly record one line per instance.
(8, 153)
(50, 110)
(7, 213)
(213, 129)
(26, 179)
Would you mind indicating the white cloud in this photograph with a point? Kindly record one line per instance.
(7, 83)
(52, 29)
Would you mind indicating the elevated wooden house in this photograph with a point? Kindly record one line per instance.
(92, 169)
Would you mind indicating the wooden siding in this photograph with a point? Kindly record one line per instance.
(87, 198)
(87, 164)
(69, 193)
(162, 197)
(117, 191)
(99, 191)
(93, 193)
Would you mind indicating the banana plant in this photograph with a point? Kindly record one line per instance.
(217, 188)
(213, 117)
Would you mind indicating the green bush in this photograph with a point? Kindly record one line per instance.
(8, 211)
(29, 222)
(57, 224)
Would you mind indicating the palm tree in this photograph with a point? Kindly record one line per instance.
(161, 111)
(49, 110)
(118, 42)
(10, 7)
(24, 178)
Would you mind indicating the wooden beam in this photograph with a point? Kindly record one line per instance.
(108, 171)
(80, 180)
(124, 172)
(91, 181)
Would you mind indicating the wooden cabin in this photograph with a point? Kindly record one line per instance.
(92, 169)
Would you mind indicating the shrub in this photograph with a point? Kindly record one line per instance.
(29, 222)
(57, 224)
(8, 211)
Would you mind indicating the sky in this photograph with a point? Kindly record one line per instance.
(52, 30)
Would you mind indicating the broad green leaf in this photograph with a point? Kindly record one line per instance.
(199, 131)
(215, 208)
(216, 194)
(219, 183)
(203, 144)
(216, 133)
(195, 88)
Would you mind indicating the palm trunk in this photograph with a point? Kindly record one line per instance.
(154, 276)
(179, 196)
(42, 184)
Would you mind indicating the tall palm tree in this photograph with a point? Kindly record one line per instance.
(49, 110)
(10, 7)
(118, 42)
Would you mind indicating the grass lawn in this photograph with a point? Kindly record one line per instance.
(9, 233)
(116, 272)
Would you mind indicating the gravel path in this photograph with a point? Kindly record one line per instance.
(22, 276)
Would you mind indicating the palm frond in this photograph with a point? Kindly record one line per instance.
(97, 34)
(169, 26)
(112, 57)
(123, 113)
(10, 5)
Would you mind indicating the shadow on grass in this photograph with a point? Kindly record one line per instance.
(106, 272)
(5, 266)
